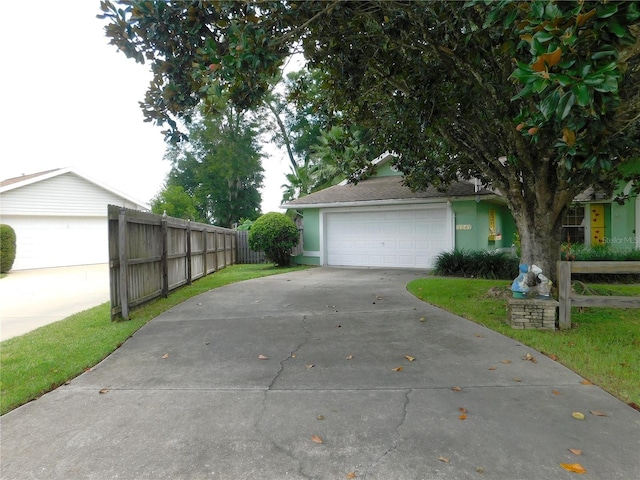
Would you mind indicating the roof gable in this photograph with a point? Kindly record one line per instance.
(13, 184)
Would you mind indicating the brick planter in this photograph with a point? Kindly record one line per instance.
(530, 313)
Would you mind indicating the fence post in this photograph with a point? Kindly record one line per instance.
(122, 257)
(188, 252)
(206, 254)
(164, 261)
(564, 295)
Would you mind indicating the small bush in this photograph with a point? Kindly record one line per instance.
(7, 247)
(275, 234)
(477, 264)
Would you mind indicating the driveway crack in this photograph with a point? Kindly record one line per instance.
(396, 438)
(263, 408)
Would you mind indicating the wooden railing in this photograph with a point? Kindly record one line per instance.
(150, 255)
(568, 299)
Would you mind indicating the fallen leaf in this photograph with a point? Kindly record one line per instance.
(479, 469)
(517, 379)
(311, 365)
(586, 382)
(575, 451)
(598, 413)
(456, 389)
(293, 355)
(553, 357)
(555, 392)
(349, 357)
(493, 368)
(166, 355)
(463, 416)
(530, 358)
(104, 390)
(397, 369)
(262, 357)
(410, 358)
(479, 335)
(443, 459)
(422, 319)
(463, 410)
(578, 415)
(573, 467)
(316, 439)
(351, 475)
(506, 362)
(320, 417)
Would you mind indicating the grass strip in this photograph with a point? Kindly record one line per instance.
(602, 346)
(42, 360)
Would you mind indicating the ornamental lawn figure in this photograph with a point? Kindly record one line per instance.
(543, 283)
(519, 286)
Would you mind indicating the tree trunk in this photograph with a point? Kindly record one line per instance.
(540, 242)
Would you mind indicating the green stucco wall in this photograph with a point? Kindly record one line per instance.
(622, 234)
(311, 230)
(385, 170)
(476, 215)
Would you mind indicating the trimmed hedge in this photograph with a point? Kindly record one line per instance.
(7, 247)
(477, 264)
(275, 234)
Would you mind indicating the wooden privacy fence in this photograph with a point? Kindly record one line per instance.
(150, 255)
(568, 299)
(244, 253)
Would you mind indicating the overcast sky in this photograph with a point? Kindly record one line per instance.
(71, 100)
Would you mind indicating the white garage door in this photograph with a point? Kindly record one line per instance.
(43, 242)
(387, 238)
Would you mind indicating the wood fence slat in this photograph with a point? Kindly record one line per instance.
(613, 301)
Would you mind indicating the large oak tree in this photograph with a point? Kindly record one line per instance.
(539, 99)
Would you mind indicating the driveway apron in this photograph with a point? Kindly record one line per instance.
(309, 375)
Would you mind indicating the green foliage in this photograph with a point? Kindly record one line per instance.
(175, 202)
(7, 247)
(217, 170)
(275, 234)
(245, 225)
(602, 253)
(477, 264)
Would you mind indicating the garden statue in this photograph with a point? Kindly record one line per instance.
(520, 286)
(543, 283)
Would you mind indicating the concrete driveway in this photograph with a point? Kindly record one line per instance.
(304, 376)
(30, 299)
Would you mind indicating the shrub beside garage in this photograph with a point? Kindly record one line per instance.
(275, 234)
(7, 247)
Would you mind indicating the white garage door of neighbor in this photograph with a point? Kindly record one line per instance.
(387, 238)
(43, 242)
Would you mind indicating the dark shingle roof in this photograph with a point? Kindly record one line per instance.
(22, 178)
(383, 188)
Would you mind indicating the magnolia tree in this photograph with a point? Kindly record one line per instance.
(540, 100)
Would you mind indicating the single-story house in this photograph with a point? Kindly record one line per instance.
(60, 218)
(379, 222)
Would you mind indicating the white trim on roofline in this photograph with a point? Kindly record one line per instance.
(389, 202)
(62, 171)
(376, 161)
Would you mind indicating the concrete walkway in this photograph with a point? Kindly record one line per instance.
(245, 381)
(30, 299)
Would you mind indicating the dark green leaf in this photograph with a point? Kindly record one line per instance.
(564, 105)
(606, 10)
(603, 54)
(594, 79)
(610, 84)
(582, 95)
(616, 28)
(549, 104)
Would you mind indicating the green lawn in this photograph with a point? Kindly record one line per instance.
(42, 360)
(603, 346)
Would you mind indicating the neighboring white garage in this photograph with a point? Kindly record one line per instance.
(60, 218)
(388, 237)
